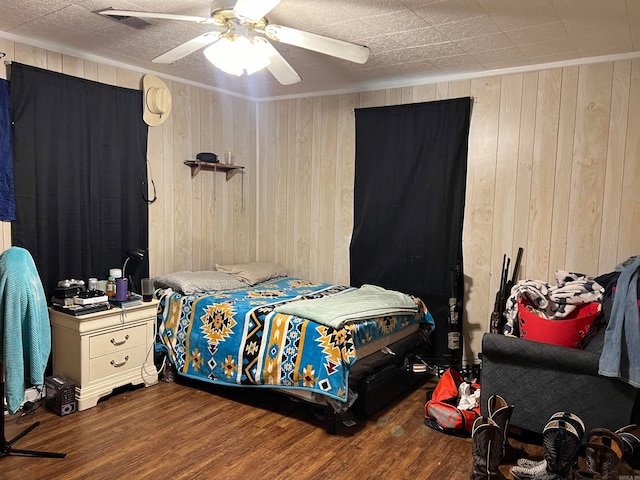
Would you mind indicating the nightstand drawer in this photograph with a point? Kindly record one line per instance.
(117, 341)
(116, 363)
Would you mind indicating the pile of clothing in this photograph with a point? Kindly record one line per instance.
(551, 302)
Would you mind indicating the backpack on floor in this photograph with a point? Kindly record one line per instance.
(441, 410)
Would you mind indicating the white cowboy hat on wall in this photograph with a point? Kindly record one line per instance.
(156, 101)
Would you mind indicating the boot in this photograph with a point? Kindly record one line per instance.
(630, 435)
(561, 442)
(526, 466)
(573, 419)
(500, 412)
(604, 453)
(486, 440)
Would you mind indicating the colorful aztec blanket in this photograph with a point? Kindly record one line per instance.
(236, 338)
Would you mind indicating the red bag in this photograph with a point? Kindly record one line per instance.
(441, 410)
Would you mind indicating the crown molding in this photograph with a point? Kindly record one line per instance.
(391, 83)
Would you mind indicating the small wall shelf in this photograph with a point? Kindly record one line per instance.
(197, 165)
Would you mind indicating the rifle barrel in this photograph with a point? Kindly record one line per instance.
(516, 266)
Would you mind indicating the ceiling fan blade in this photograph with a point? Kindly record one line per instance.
(187, 48)
(165, 16)
(254, 9)
(318, 43)
(279, 67)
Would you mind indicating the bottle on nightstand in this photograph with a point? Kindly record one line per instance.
(111, 287)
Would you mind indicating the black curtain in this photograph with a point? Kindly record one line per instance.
(79, 151)
(410, 181)
(7, 198)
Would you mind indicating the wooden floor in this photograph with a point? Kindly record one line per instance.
(174, 431)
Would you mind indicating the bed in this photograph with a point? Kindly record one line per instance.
(261, 331)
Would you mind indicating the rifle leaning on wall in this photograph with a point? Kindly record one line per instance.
(497, 319)
(496, 314)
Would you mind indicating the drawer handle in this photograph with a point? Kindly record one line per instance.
(117, 344)
(118, 365)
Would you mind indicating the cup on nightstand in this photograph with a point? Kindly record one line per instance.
(147, 289)
(122, 289)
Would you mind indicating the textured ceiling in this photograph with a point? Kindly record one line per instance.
(407, 38)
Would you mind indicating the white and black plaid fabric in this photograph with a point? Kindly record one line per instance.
(549, 301)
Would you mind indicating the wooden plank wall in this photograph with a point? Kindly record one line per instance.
(195, 222)
(554, 167)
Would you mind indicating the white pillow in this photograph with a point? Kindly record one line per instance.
(254, 272)
(196, 282)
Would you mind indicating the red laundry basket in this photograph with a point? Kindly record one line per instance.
(567, 332)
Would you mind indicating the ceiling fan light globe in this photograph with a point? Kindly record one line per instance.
(220, 55)
(236, 54)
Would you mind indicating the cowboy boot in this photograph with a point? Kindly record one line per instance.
(603, 453)
(500, 412)
(630, 435)
(573, 419)
(561, 443)
(526, 466)
(486, 450)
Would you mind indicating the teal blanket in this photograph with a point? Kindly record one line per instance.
(368, 301)
(25, 333)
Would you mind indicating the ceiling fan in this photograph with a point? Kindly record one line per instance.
(242, 32)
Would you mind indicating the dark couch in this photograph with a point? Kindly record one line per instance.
(540, 379)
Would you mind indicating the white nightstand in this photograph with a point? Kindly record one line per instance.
(104, 350)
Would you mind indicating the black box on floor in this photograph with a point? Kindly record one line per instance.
(61, 395)
(381, 388)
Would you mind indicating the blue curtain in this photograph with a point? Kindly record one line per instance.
(7, 198)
